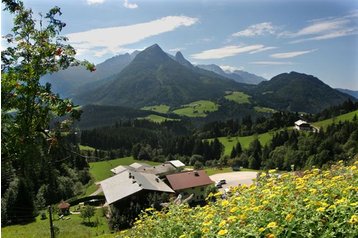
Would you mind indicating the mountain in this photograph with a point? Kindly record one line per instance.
(237, 75)
(154, 78)
(349, 92)
(297, 92)
(68, 82)
(181, 60)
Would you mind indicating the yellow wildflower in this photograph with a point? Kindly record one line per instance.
(262, 229)
(340, 201)
(224, 203)
(354, 204)
(205, 230)
(289, 217)
(354, 219)
(231, 219)
(207, 223)
(242, 216)
(272, 225)
(222, 232)
(320, 209)
(332, 207)
(234, 209)
(209, 216)
(222, 223)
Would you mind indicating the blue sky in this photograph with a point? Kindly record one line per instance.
(263, 37)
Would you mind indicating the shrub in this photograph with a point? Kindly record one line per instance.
(313, 203)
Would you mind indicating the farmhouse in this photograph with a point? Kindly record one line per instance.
(128, 183)
(302, 126)
(132, 167)
(190, 182)
(161, 170)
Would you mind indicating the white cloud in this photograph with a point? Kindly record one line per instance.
(176, 49)
(92, 2)
(112, 39)
(271, 63)
(257, 30)
(126, 4)
(226, 51)
(328, 28)
(290, 54)
(230, 69)
(323, 26)
(263, 49)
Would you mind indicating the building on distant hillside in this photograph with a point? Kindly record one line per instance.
(132, 167)
(160, 170)
(303, 126)
(130, 183)
(190, 182)
(177, 164)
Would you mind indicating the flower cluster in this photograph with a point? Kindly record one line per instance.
(311, 204)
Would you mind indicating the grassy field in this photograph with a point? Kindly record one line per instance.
(265, 109)
(238, 97)
(197, 109)
(157, 108)
(88, 148)
(157, 118)
(245, 141)
(344, 117)
(71, 228)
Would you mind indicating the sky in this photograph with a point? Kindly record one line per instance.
(266, 37)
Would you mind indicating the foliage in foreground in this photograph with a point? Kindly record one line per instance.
(311, 204)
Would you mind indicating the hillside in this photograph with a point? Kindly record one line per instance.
(297, 92)
(154, 78)
(310, 204)
(344, 117)
(353, 93)
(265, 138)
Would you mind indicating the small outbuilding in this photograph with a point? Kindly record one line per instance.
(64, 208)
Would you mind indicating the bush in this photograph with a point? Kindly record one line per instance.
(87, 212)
(314, 203)
(43, 216)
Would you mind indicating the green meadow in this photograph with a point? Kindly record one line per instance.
(238, 97)
(245, 141)
(162, 108)
(197, 109)
(69, 227)
(344, 117)
(157, 118)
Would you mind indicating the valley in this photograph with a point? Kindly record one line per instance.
(179, 119)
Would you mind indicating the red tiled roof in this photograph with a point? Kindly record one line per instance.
(63, 205)
(188, 179)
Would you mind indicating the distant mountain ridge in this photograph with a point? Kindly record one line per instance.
(68, 82)
(349, 92)
(237, 75)
(155, 78)
(297, 92)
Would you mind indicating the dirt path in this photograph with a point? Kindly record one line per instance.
(235, 178)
